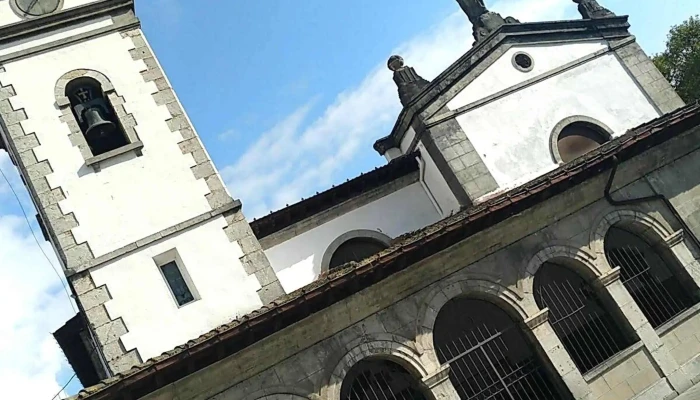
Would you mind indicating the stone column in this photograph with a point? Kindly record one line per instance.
(558, 356)
(660, 355)
(439, 384)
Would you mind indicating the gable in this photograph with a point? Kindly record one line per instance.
(502, 74)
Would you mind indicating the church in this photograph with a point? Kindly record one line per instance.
(549, 253)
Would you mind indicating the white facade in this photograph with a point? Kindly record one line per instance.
(131, 197)
(113, 224)
(141, 297)
(512, 133)
(297, 261)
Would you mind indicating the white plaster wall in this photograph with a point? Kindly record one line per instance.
(141, 297)
(436, 184)
(407, 140)
(502, 75)
(512, 134)
(7, 16)
(132, 197)
(297, 261)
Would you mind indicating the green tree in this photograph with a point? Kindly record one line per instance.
(680, 62)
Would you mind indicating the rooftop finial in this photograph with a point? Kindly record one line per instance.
(407, 80)
(483, 21)
(591, 9)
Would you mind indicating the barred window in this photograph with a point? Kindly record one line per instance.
(587, 331)
(489, 355)
(649, 279)
(378, 379)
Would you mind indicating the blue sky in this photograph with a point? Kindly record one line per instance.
(288, 98)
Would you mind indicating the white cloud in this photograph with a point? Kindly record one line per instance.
(34, 306)
(295, 158)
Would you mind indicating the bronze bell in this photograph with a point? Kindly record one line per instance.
(97, 125)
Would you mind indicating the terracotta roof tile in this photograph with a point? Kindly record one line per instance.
(406, 251)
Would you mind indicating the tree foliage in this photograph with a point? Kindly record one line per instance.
(680, 62)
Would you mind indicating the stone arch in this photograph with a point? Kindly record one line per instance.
(278, 393)
(479, 288)
(357, 233)
(65, 79)
(582, 260)
(390, 347)
(554, 135)
(648, 227)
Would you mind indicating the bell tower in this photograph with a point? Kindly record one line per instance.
(156, 250)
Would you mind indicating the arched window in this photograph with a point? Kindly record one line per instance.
(95, 116)
(356, 249)
(578, 138)
(649, 279)
(378, 379)
(587, 331)
(488, 354)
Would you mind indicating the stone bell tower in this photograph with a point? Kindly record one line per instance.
(156, 250)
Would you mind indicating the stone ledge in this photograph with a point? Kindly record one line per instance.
(677, 320)
(148, 240)
(95, 161)
(612, 362)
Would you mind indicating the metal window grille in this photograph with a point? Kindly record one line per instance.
(490, 360)
(380, 380)
(657, 293)
(586, 330)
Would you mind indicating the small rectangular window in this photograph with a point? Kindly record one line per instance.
(176, 276)
(177, 283)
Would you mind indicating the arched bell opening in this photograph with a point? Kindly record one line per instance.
(580, 316)
(95, 116)
(658, 284)
(489, 355)
(380, 379)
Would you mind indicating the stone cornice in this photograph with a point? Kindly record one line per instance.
(36, 26)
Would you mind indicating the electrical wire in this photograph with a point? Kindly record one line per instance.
(64, 387)
(26, 218)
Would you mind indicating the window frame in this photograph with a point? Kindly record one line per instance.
(595, 124)
(172, 256)
(126, 121)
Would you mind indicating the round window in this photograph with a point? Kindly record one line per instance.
(35, 8)
(523, 62)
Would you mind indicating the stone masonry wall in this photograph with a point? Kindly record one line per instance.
(394, 319)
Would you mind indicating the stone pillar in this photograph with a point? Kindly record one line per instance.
(660, 355)
(439, 384)
(558, 356)
(677, 244)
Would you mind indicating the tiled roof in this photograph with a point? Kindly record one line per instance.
(228, 339)
(290, 215)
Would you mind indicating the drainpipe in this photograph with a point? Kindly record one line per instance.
(655, 196)
(421, 178)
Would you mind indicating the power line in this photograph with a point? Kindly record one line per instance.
(26, 219)
(64, 386)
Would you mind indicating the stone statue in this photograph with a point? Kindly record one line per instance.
(590, 9)
(483, 21)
